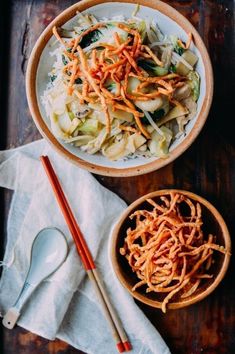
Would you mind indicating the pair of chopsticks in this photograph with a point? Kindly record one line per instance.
(117, 330)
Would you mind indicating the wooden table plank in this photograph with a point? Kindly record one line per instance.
(207, 168)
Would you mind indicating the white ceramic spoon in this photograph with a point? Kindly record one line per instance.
(48, 252)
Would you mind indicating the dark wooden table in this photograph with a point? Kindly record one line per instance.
(207, 168)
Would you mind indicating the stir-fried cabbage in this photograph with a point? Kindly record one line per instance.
(120, 87)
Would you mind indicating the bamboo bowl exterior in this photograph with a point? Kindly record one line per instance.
(213, 223)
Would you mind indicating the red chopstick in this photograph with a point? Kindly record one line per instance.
(118, 332)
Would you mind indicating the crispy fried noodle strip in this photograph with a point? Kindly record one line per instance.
(168, 250)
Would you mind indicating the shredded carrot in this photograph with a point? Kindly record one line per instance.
(179, 84)
(141, 127)
(166, 85)
(95, 86)
(127, 102)
(107, 115)
(142, 85)
(135, 43)
(84, 33)
(187, 45)
(118, 88)
(69, 55)
(79, 95)
(90, 99)
(93, 58)
(56, 34)
(121, 47)
(72, 77)
(114, 77)
(149, 96)
(164, 91)
(128, 70)
(189, 40)
(117, 38)
(76, 42)
(138, 48)
(129, 129)
(70, 43)
(153, 247)
(134, 98)
(85, 88)
(115, 65)
(67, 66)
(92, 94)
(127, 29)
(119, 71)
(131, 60)
(136, 116)
(107, 46)
(101, 58)
(144, 55)
(127, 109)
(153, 56)
(106, 93)
(106, 51)
(153, 79)
(104, 78)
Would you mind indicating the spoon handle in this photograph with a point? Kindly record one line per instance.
(12, 315)
(24, 295)
(10, 318)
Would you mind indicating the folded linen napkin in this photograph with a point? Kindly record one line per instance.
(64, 305)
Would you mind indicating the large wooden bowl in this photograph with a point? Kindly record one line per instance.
(212, 223)
(40, 63)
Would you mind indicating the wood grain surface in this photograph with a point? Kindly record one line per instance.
(206, 168)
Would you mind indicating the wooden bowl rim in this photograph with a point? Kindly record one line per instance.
(196, 298)
(104, 170)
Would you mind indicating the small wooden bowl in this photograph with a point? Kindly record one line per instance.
(212, 223)
(40, 64)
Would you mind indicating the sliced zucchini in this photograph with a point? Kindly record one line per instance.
(74, 124)
(190, 57)
(134, 142)
(64, 121)
(132, 84)
(116, 150)
(159, 144)
(151, 105)
(182, 92)
(182, 69)
(194, 82)
(122, 115)
(175, 112)
(90, 126)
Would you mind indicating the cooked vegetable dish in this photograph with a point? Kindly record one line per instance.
(121, 87)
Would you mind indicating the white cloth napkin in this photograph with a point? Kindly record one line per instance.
(64, 305)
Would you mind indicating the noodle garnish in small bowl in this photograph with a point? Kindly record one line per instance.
(172, 248)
